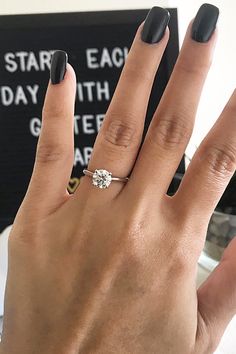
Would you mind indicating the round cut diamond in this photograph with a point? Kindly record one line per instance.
(102, 179)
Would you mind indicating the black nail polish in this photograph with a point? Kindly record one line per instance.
(204, 23)
(58, 66)
(155, 25)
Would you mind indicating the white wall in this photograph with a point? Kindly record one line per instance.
(222, 78)
(220, 82)
(29, 6)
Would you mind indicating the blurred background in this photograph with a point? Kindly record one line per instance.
(221, 79)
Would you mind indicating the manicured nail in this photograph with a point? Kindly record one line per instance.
(204, 23)
(58, 66)
(155, 25)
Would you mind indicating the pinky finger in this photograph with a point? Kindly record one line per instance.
(211, 168)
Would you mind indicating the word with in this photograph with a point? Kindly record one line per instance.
(91, 91)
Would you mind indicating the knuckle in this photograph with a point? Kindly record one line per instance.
(187, 68)
(21, 240)
(50, 152)
(194, 65)
(131, 275)
(179, 263)
(170, 132)
(54, 111)
(133, 67)
(178, 251)
(120, 133)
(221, 160)
(134, 232)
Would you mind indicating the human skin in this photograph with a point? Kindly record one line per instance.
(114, 270)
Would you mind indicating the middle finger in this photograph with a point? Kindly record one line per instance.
(118, 141)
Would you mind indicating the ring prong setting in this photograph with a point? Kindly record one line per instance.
(102, 178)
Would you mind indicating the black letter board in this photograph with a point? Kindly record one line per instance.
(97, 44)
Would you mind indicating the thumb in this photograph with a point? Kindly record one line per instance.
(217, 296)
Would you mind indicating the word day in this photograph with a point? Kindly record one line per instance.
(19, 95)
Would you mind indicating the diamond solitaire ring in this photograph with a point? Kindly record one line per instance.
(102, 178)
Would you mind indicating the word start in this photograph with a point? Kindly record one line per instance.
(95, 59)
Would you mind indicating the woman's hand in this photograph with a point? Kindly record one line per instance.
(114, 270)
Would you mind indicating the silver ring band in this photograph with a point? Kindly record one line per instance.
(118, 179)
(102, 178)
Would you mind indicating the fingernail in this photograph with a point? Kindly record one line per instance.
(155, 25)
(58, 66)
(204, 23)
